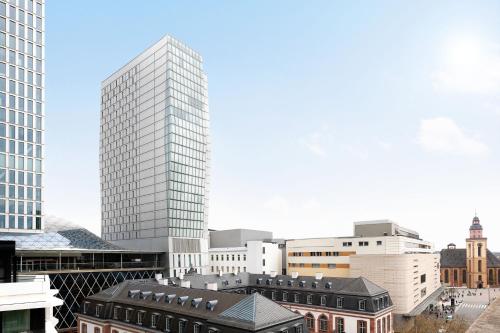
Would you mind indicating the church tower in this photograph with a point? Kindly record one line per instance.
(476, 256)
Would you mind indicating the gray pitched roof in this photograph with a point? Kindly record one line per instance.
(363, 287)
(245, 311)
(258, 312)
(493, 260)
(453, 258)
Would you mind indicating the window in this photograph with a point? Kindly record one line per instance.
(296, 298)
(323, 300)
(182, 326)
(347, 244)
(362, 305)
(168, 321)
(339, 324)
(140, 315)
(285, 296)
(340, 302)
(422, 278)
(245, 258)
(263, 250)
(97, 330)
(379, 328)
(323, 323)
(309, 299)
(446, 276)
(479, 248)
(363, 243)
(98, 310)
(310, 321)
(273, 295)
(299, 329)
(315, 265)
(232, 257)
(116, 312)
(84, 328)
(362, 326)
(379, 243)
(383, 325)
(263, 262)
(114, 331)
(85, 307)
(479, 265)
(128, 314)
(154, 320)
(196, 328)
(389, 323)
(332, 266)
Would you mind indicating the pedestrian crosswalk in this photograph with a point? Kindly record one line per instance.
(470, 306)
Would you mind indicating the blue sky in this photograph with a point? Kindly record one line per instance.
(322, 113)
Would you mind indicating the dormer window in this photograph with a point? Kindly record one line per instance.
(140, 317)
(340, 302)
(116, 312)
(279, 282)
(155, 317)
(98, 310)
(362, 305)
(302, 284)
(259, 281)
(269, 282)
(328, 285)
(315, 284)
(86, 307)
(323, 300)
(290, 283)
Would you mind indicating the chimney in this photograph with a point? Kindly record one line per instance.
(273, 274)
(186, 284)
(319, 276)
(295, 275)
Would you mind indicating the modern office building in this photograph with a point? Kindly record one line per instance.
(352, 305)
(245, 250)
(26, 302)
(475, 266)
(21, 115)
(154, 155)
(389, 255)
(147, 306)
(77, 263)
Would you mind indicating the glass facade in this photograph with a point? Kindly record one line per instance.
(154, 151)
(21, 114)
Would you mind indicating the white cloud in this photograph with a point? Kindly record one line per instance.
(444, 135)
(469, 65)
(311, 205)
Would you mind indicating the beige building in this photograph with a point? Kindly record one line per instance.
(389, 255)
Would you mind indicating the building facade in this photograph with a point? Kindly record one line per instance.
(349, 305)
(379, 250)
(154, 155)
(77, 264)
(475, 266)
(255, 257)
(26, 302)
(22, 77)
(153, 307)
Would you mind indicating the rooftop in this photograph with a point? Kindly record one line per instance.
(253, 312)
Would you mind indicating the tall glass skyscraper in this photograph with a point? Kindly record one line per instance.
(154, 155)
(22, 111)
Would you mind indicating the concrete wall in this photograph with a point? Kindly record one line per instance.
(401, 276)
(236, 237)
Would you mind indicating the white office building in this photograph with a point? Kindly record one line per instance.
(27, 305)
(154, 155)
(22, 40)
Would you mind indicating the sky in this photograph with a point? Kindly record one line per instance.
(322, 113)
